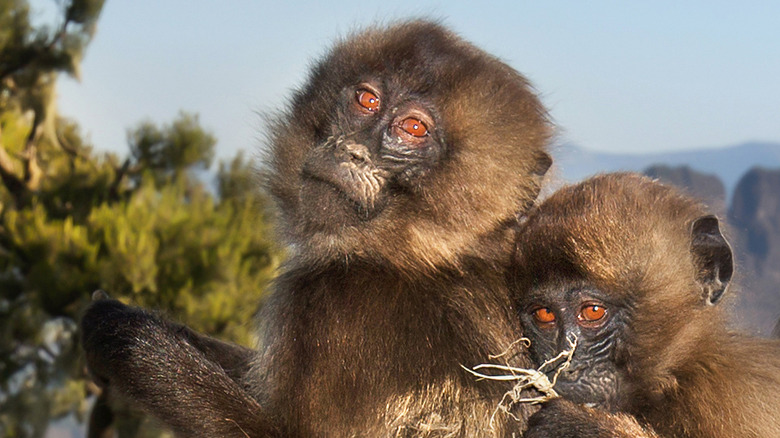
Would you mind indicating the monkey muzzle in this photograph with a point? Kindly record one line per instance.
(594, 385)
(349, 168)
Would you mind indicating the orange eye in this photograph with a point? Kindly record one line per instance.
(592, 313)
(368, 100)
(414, 127)
(544, 315)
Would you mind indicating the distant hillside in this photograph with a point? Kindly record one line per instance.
(755, 217)
(708, 188)
(729, 163)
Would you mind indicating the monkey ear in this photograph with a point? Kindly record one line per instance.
(712, 256)
(543, 163)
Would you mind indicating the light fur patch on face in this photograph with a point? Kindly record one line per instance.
(371, 181)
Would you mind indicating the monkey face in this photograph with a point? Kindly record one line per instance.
(555, 315)
(615, 260)
(406, 145)
(381, 141)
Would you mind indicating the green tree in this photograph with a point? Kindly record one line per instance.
(145, 227)
(30, 60)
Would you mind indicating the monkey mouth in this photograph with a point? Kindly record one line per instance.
(596, 390)
(349, 168)
(360, 185)
(580, 392)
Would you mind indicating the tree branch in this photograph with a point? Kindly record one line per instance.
(120, 174)
(28, 55)
(32, 170)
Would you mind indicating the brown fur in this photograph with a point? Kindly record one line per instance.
(561, 418)
(398, 248)
(495, 127)
(371, 319)
(689, 374)
(398, 253)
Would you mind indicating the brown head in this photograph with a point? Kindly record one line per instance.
(639, 267)
(406, 145)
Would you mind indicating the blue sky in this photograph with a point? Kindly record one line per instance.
(617, 76)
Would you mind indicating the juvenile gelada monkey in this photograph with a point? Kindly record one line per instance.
(398, 170)
(635, 271)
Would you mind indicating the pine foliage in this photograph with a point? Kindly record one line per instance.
(146, 228)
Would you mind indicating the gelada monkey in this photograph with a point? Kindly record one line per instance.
(634, 271)
(398, 170)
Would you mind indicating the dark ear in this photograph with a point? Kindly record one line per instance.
(712, 257)
(542, 165)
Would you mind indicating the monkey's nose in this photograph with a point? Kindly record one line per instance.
(354, 152)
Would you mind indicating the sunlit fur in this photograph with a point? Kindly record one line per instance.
(689, 375)
(565, 419)
(372, 316)
(495, 132)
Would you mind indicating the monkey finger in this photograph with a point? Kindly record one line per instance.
(100, 294)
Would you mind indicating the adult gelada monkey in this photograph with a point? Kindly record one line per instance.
(634, 271)
(398, 170)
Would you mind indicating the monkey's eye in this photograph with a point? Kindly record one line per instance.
(414, 127)
(544, 315)
(592, 312)
(368, 100)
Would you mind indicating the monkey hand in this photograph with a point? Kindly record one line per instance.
(564, 419)
(108, 330)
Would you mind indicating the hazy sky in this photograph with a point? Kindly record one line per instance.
(616, 75)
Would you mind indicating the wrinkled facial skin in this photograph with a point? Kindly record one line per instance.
(551, 314)
(380, 142)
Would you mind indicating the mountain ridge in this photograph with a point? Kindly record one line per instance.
(729, 163)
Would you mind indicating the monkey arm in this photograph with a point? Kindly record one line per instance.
(234, 359)
(564, 419)
(187, 379)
